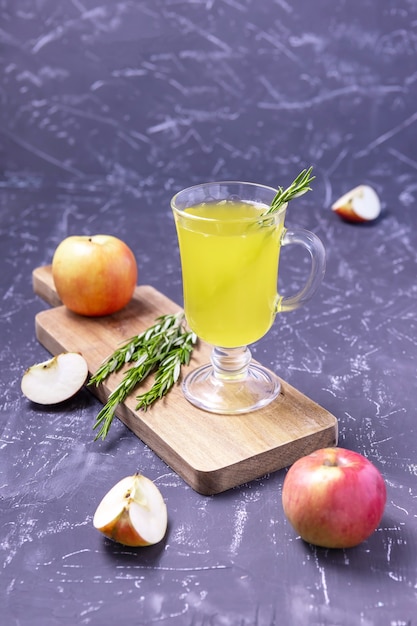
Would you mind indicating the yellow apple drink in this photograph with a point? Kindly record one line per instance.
(229, 256)
(230, 234)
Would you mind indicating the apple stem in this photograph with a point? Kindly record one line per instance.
(331, 459)
(329, 463)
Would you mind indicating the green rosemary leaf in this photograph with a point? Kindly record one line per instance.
(163, 348)
(169, 370)
(298, 187)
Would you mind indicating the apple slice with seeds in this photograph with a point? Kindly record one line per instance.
(55, 380)
(133, 512)
(360, 204)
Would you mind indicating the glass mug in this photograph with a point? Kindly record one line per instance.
(230, 249)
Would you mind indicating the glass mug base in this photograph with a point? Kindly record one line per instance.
(227, 392)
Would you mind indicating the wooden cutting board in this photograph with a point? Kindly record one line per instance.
(212, 453)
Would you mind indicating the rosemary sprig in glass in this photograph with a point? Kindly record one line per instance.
(163, 348)
(298, 188)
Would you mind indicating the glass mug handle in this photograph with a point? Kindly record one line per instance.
(310, 242)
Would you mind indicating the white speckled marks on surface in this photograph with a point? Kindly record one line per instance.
(107, 109)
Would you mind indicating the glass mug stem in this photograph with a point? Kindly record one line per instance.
(232, 383)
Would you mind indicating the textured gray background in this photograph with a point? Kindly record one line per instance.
(107, 109)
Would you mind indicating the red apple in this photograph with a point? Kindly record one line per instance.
(94, 275)
(334, 497)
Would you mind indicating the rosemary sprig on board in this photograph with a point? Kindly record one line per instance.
(163, 348)
(298, 188)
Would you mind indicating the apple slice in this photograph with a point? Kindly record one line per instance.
(360, 204)
(133, 512)
(55, 380)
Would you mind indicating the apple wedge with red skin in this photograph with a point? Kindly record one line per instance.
(361, 204)
(133, 512)
(334, 498)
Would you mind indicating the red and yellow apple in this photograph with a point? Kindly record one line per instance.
(361, 204)
(133, 512)
(334, 498)
(95, 275)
